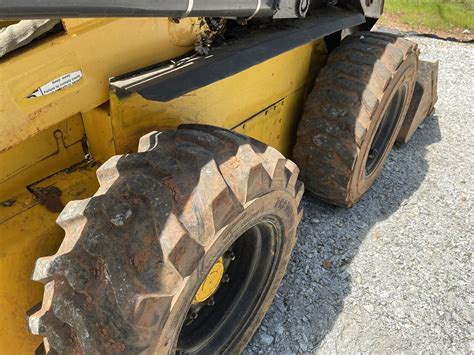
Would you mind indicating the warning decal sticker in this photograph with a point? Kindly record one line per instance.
(57, 84)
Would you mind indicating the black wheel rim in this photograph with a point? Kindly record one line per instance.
(385, 131)
(256, 254)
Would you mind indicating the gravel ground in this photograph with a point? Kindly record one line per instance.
(393, 273)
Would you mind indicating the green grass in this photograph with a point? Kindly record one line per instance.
(442, 15)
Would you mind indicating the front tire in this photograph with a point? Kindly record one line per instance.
(126, 277)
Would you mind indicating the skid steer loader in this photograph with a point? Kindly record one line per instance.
(148, 203)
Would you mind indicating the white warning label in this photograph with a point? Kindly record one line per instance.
(57, 84)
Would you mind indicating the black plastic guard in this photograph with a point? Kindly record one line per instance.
(247, 48)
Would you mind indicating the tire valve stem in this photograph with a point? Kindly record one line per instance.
(372, 153)
(225, 278)
(210, 301)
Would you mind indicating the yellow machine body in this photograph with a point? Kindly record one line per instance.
(58, 140)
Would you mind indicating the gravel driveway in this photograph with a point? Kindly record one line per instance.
(393, 273)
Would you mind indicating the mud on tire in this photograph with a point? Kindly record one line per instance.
(136, 252)
(348, 127)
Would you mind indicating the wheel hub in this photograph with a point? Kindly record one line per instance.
(229, 294)
(210, 283)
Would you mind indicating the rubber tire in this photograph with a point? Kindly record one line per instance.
(344, 110)
(136, 252)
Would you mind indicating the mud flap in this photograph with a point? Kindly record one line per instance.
(423, 101)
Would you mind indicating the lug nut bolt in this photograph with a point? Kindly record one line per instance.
(372, 153)
(194, 315)
(229, 255)
(211, 302)
(225, 278)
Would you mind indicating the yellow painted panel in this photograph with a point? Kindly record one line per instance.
(49, 151)
(100, 48)
(28, 231)
(276, 124)
(226, 103)
(100, 138)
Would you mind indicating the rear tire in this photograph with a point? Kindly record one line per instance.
(353, 115)
(136, 253)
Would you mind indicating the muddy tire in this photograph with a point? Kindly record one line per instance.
(353, 115)
(136, 253)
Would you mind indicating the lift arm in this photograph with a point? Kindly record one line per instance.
(21, 9)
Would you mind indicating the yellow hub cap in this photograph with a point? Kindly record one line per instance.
(210, 283)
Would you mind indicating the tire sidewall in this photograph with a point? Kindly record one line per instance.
(404, 75)
(279, 204)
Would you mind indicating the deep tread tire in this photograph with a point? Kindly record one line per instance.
(344, 110)
(135, 253)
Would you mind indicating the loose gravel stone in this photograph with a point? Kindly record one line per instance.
(266, 339)
(394, 273)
